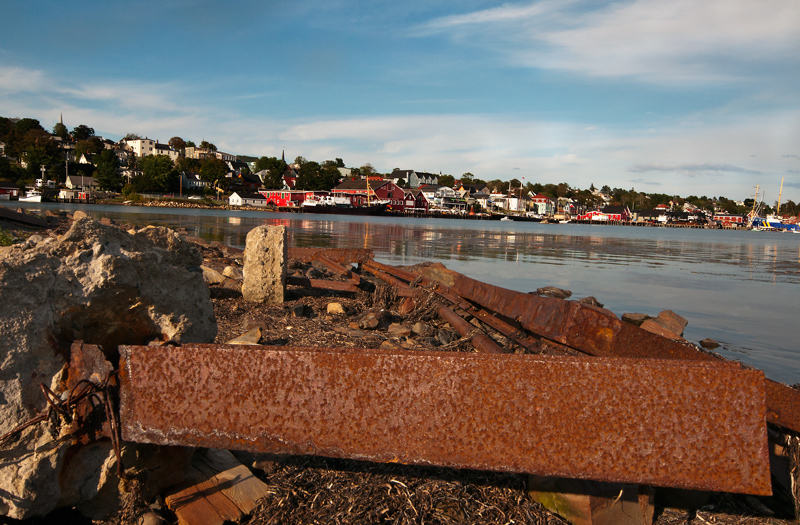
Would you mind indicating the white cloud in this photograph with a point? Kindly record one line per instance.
(651, 40)
(20, 80)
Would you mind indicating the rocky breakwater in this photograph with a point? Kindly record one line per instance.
(103, 285)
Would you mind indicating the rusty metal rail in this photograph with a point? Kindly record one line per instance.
(393, 275)
(594, 331)
(657, 422)
(340, 255)
(338, 286)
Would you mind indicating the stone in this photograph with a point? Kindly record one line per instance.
(672, 322)
(98, 284)
(657, 328)
(265, 259)
(398, 330)
(297, 310)
(251, 337)
(420, 328)
(233, 272)
(79, 215)
(636, 319)
(591, 301)
(709, 344)
(407, 306)
(391, 346)
(374, 320)
(335, 309)
(212, 276)
(552, 291)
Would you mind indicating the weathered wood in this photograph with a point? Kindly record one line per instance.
(235, 480)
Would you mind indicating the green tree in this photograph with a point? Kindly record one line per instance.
(208, 145)
(214, 170)
(107, 172)
(467, 178)
(339, 163)
(92, 145)
(190, 144)
(275, 169)
(177, 143)
(367, 170)
(447, 180)
(60, 130)
(132, 136)
(24, 125)
(159, 173)
(82, 132)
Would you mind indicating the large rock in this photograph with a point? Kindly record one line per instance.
(265, 260)
(98, 284)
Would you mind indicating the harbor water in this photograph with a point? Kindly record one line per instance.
(740, 288)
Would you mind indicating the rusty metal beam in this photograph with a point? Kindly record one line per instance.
(656, 422)
(337, 268)
(481, 341)
(340, 255)
(322, 284)
(599, 332)
(501, 326)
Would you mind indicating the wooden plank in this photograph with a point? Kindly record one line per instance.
(193, 508)
(235, 480)
(203, 500)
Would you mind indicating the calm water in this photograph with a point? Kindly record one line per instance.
(739, 288)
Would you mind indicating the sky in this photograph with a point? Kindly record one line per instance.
(677, 97)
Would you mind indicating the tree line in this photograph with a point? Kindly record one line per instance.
(26, 139)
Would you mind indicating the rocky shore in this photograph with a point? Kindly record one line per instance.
(93, 260)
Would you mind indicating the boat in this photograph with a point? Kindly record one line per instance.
(772, 222)
(506, 218)
(31, 196)
(335, 205)
(528, 217)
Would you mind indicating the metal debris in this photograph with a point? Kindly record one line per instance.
(627, 420)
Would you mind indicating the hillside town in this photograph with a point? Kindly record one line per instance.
(79, 166)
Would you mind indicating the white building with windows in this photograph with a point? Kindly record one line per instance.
(145, 147)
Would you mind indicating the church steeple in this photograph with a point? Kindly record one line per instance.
(283, 154)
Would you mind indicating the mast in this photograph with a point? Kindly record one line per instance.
(780, 193)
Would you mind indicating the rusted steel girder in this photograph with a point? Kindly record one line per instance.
(594, 331)
(340, 255)
(337, 268)
(481, 341)
(599, 332)
(394, 274)
(655, 422)
(322, 284)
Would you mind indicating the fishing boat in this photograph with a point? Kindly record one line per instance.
(335, 205)
(31, 196)
(772, 222)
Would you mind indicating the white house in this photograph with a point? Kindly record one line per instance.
(145, 147)
(246, 199)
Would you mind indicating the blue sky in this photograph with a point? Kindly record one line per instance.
(678, 97)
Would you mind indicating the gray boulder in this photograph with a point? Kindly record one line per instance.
(98, 284)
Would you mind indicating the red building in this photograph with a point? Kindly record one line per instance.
(8, 191)
(416, 200)
(285, 198)
(361, 192)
